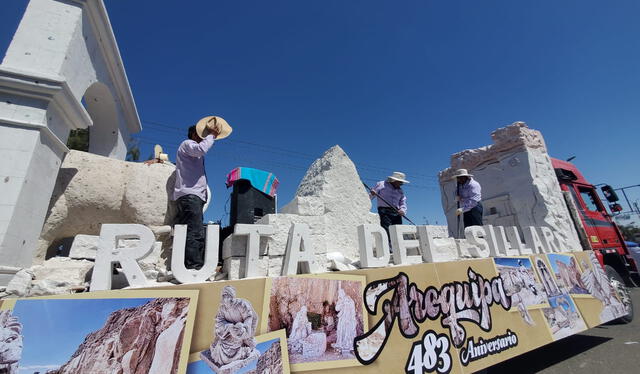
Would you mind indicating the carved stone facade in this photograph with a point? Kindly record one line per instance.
(519, 185)
(271, 360)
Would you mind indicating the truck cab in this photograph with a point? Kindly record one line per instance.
(602, 234)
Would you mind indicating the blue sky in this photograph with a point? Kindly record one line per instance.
(200, 367)
(399, 85)
(558, 257)
(53, 329)
(510, 261)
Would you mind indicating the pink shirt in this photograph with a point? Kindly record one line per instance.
(191, 178)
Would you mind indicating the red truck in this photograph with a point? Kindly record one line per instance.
(596, 228)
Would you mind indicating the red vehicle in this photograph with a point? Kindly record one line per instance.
(600, 231)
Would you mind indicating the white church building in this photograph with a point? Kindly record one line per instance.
(61, 72)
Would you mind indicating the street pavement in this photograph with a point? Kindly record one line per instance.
(610, 349)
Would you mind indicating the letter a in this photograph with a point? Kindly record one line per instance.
(299, 251)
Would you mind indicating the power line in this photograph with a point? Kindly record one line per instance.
(267, 148)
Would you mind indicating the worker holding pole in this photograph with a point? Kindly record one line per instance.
(392, 203)
(468, 196)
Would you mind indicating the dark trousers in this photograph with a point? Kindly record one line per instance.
(473, 217)
(388, 217)
(190, 214)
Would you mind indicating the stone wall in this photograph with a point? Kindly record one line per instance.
(519, 185)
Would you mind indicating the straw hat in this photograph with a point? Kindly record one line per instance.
(461, 173)
(397, 176)
(205, 125)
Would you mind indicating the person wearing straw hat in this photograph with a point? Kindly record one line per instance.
(392, 204)
(468, 195)
(190, 189)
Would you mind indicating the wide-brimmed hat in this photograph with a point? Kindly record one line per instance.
(397, 176)
(207, 124)
(461, 173)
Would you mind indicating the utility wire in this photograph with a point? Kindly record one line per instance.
(170, 128)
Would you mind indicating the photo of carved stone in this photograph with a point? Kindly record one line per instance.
(597, 282)
(97, 335)
(10, 342)
(234, 344)
(563, 318)
(272, 357)
(546, 276)
(322, 316)
(568, 273)
(521, 283)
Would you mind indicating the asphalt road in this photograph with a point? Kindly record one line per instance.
(610, 349)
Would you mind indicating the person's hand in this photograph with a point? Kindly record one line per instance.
(215, 132)
(402, 213)
(459, 211)
(374, 193)
(457, 198)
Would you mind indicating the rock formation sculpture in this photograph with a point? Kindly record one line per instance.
(128, 192)
(347, 323)
(519, 184)
(144, 339)
(234, 345)
(10, 342)
(330, 199)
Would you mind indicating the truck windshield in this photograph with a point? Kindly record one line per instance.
(590, 201)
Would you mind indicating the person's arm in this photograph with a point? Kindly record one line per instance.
(403, 204)
(375, 190)
(195, 149)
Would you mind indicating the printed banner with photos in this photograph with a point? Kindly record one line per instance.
(132, 331)
(454, 317)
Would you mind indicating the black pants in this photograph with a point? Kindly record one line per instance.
(190, 214)
(388, 217)
(473, 217)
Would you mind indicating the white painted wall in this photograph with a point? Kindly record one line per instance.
(62, 52)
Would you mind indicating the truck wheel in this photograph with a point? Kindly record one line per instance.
(618, 284)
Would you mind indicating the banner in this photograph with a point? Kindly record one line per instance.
(452, 317)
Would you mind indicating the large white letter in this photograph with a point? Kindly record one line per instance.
(108, 253)
(532, 239)
(400, 244)
(516, 241)
(253, 233)
(431, 251)
(180, 272)
(374, 246)
(475, 235)
(299, 251)
(549, 239)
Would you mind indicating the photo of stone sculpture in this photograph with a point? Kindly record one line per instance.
(568, 274)
(10, 342)
(563, 317)
(321, 316)
(270, 360)
(599, 286)
(234, 343)
(70, 336)
(546, 277)
(521, 284)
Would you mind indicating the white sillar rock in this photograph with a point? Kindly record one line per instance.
(330, 199)
(519, 185)
(332, 183)
(92, 190)
(86, 247)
